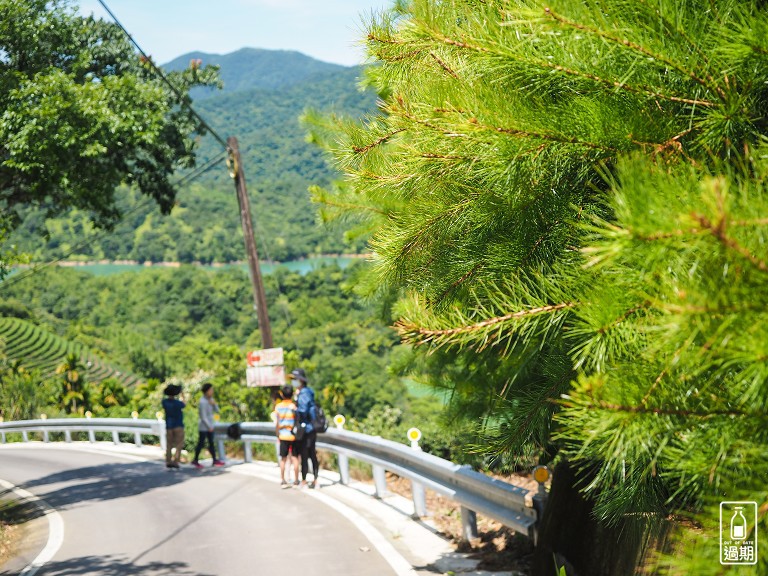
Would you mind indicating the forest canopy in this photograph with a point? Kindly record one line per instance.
(82, 113)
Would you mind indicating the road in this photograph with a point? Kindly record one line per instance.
(135, 517)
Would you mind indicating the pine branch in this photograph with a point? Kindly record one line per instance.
(681, 32)
(373, 38)
(645, 90)
(378, 142)
(549, 137)
(442, 156)
(683, 413)
(604, 329)
(636, 47)
(350, 207)
(461, 280)
(653, 387)
(718, 231)
(415, 333)
(444, 66)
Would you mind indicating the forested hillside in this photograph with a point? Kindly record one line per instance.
(265, 93)
(189, 325)
(171, 323)
(161, 323)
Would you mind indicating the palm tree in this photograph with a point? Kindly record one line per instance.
(72, 389)
(111, 392)
(335, 393)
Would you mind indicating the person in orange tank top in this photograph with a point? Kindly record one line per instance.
(284, 423)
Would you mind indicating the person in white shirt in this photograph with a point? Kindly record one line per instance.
(206, 409)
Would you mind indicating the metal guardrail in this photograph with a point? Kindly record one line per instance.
(115, 426)
(475, 492)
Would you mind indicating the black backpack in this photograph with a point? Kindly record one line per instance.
(319, 422)
(234, 431)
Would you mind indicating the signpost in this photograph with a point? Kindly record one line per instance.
(265, 368)
(259, 298)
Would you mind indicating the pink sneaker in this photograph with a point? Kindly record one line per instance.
(219, 463)
(197, 465)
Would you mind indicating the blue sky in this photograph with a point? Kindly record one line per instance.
(324, 29)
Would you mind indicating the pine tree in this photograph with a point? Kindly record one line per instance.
(570, 198)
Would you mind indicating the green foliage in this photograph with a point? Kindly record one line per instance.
(75, 393)
(24, 394)
(567, 198)
(193, 326)
(82, 113)
(40, 349)
(203, 225)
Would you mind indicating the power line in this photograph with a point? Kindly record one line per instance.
(162, 75)
(196, 173)
(178, 94)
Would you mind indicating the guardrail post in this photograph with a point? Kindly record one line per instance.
(541, 474)
(418, 494)
(115, 437)
(468, 523)
(2, 434)
(344, 469)
(342, 459)
(247, 450)
(220, 449)
(24, 436)
(44, 431)
(380, 481)
(137, 436)
(161, 433)
(67, 436)
(91, 433)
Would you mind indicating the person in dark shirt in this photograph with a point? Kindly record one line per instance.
(306, 413)
(174, 425)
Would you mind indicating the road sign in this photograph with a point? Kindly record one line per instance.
(265, 376)
(266, 357)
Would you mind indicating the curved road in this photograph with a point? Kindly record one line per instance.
(129, 516)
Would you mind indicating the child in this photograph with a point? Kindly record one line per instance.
(286, 418)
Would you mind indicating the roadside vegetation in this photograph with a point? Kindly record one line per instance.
(192, 326)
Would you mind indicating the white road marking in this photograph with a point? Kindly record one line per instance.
(396, 560)
(55, 529)
(398, 563)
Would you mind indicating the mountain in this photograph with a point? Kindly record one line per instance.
(265, 93)
(249, 68)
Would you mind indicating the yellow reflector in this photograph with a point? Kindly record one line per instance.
(541, 474)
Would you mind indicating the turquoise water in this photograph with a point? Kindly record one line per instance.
(301, 266)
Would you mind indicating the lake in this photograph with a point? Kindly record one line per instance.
(301, 266)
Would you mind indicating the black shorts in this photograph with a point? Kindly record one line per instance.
(286, 446)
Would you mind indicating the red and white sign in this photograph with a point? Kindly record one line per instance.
(265, 376)
(266, 357)
(265, 368)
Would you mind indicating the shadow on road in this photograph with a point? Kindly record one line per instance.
(114, 566)
(99, 483)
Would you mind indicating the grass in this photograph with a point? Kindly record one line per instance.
(11, 528)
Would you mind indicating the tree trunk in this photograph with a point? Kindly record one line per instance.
(570, 536)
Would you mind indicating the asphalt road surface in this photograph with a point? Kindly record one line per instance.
(126, 517)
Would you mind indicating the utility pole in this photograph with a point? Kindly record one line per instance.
(259, 299)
